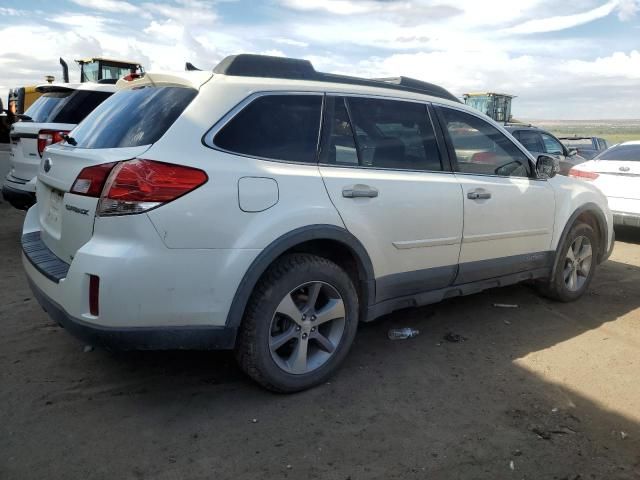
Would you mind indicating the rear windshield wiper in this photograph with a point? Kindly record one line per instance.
(69, 140)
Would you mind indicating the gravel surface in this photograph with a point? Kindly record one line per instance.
(539, 391)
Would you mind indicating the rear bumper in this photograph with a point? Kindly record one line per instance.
(18, 198)
(138, 338)
(150, 297)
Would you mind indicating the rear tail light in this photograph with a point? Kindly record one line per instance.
(94, 295)
(136, 186)
(91, 180)
(583, 174)
(49, 137)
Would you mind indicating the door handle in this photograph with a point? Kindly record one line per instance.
(478, 195)
(359, 191)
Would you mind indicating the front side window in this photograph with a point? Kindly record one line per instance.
(389, 134)
(552, 145)
(482, 149)
(278, 127)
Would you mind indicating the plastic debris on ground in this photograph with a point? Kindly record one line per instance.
(402, 333)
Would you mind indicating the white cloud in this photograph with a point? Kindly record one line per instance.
(289, 41)
(115, 6)
(562, 22)
(12, 12)
(627, 9)
(618, 65)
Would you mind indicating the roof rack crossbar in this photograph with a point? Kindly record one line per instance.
(249, 65)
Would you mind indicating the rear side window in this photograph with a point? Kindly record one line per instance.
(278, 127)
(77, 106)
(41, 109)
(389, 134)
(131, 118)
(530, 140)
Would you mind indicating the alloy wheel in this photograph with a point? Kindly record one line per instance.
(307, 327)
(577, 264)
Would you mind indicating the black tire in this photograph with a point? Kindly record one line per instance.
(253, 351)
(556, 288)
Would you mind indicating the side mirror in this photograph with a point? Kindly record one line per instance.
(572, 152)
(547, 167)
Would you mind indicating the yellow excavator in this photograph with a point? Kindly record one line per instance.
(94, 69)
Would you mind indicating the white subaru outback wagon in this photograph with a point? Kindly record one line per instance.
(268, 208)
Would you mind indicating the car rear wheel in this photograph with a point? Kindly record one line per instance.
(299, 323)
(575, 265)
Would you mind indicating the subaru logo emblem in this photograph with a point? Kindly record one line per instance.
(624, 169)
(47, 164)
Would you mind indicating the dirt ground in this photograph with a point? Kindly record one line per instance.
(542, 391)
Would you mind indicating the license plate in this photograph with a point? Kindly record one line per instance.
(55, 207)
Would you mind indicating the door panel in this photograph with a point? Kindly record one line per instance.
(408, 219)
(508, 216)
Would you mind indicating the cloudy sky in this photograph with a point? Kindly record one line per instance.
(563, 59)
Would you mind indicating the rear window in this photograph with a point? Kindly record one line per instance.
(41, 109)
(627, 153)
(77, 106)
(279, 127)
(131, 118)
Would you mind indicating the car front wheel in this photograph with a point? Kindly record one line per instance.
(575, 265)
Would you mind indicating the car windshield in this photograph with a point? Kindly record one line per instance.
(626, 153)
(578, 142)
(41, 109)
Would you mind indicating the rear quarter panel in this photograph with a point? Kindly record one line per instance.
(210, 216)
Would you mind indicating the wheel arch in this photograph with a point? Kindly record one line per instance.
(329, 241)
(591, 214)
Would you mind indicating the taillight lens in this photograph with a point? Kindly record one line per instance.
(583, 174)
(91, 180)
(49, 137)
(136, 186)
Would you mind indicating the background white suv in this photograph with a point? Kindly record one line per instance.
(54, 114)
(268, 208)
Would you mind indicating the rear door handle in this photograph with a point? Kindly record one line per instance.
(478, 195)
(359, 191)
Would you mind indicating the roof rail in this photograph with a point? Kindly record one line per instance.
(249, 65)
